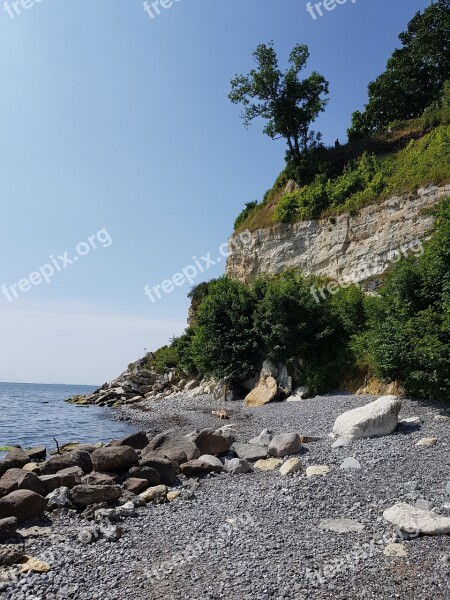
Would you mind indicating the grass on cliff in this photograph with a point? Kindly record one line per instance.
(356, 175)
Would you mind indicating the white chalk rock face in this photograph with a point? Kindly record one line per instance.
(377, 418)
(415, 520)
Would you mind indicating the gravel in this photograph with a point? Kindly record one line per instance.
(257, 535)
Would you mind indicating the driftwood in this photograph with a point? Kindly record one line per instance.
(57, 446)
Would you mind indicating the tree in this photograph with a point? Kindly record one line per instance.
(289, 104)
(415, 74)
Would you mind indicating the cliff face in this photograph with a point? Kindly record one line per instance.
(361, 248)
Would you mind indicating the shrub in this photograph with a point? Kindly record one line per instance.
(287, 208)
(248, 210)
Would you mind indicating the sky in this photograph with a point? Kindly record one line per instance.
(123, 162)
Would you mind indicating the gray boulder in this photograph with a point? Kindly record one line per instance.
(138, 440)
(22, 504)
(17, 457)
(167, 470)
(250, 452)
(236, 466)
(215, 463)
(151, 475)
(58, 498)
(196, 467)
(17, 479)
(53, 482)
(74, 458)
(263, 439)
(210, 441)
(84, 495)
(376, 418)
(285, 444)
(8, 528)
(172, 446)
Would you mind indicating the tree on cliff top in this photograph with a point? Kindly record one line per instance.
(289, 104)
(414, 76)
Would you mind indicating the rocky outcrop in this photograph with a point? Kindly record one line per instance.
(376, 418)
(360, 248)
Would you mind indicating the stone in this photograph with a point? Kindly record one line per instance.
(284, 381)
(95, 478)
(210, 441)
(249, 452)
(191, 385)
(155, 494)
(58, 498)
(341, 525)
(350, 463)
(173, 446)
(263, 393)
(415, 520)
(114, 459)
(269, 368)
(423, 504)
(18, 479)
(427, 442)
(215, 463)
(285, 444)
(127, 510)
(236, 466)
(73, 458)
(137, 441)
(292, 465)
(22, 504)
(38, 453)
(151, 475)
(84, 495)
(173, 495)
(263, 439)
(32, 467)
(17, 457)
(167, 470)
(8, 528)
(11, 554)
(196, 467)
(267, 464)
(376, 418)
(53, 482)
(299, 394)
(395, 550)
(319, 470)
(35, 565)
(135, 485)
(77, 473)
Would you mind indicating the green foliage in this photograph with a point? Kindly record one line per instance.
(224, 344)
(288, 103)
(287, 208)
(408, 336)
(248, 210)
(196, 295)
(414, 76)
(177, 355)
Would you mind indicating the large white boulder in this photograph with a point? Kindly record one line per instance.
(377, 418)
(415, 520)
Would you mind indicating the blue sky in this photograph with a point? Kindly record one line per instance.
(115, 121)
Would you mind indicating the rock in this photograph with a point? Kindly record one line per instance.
(22, 504)
(106, 514)
(410, 422)
(263, 393)
(58, 498)
(285, 444)
(95, 478)
(232, 393)
(137, 441)
(299, 394)
(173, 495)
(342, 442)
(155, 494)
(427, 442)
(249, 452)
(5, 465)
(8, 528)
(32, 467)
(135, 485)
(341, 525)
(191, 385)
(215, 463)
(77, 473)
(210, 441)
(111, 533)
(319, 470)
(196, 467)
(236, 466)
(73, 458)
(350, 463)
(284, 381)
(414, 520)
(114, 459)
(269, 368)
(151, 475)
(167, 470)
(127, 510)
(395, 550)
(36, 454)
(423, 504)
(267, 464)
(292, 465)
(263, 439)
(173, 446)
(377, 418)
(17, 457)
(35, 565)
(53, 482)
(11, 554)
(17, 479)
(84, 495)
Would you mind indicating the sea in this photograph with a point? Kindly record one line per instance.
(33, 414)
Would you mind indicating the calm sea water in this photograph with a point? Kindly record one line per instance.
(32, 414)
